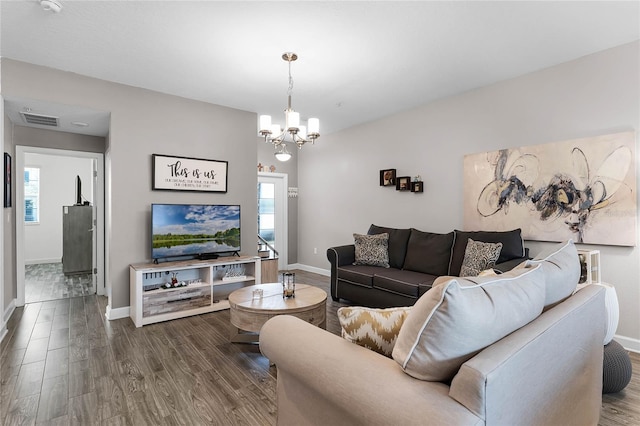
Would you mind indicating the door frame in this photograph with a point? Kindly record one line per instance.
(98, 211)
(281, 181)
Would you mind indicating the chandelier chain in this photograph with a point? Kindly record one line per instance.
(290, 90)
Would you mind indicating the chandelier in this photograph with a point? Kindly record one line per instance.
(293, 132)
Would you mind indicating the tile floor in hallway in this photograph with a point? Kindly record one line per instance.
(45, 281)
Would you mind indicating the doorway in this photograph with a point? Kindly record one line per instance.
(272, 213)
(41, 274)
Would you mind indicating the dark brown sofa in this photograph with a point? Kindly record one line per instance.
(416, 259)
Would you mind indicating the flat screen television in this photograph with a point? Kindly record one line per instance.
(195, 230)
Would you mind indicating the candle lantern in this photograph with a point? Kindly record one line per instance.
(288, 284)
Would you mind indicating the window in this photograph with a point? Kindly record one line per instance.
(32, 195)
(266, 212)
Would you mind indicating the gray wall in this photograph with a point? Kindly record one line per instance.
(143, 123)
(44, 138)
(594, 95)
(9, 229)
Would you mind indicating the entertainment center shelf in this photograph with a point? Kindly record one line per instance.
(203, 286)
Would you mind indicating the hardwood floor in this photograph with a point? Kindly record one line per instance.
(63, 363)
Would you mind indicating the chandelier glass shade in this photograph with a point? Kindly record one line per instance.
(293, 131)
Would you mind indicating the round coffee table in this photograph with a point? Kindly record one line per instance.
(248, 315)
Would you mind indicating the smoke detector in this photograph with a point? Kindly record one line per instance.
(51, 5)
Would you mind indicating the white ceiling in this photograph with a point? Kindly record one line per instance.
(358, 60)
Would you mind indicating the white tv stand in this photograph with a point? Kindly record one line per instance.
(209, 283)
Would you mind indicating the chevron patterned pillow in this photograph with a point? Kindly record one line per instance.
(375, 329)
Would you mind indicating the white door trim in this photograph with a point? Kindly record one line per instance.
(281, 181)
(98, 203)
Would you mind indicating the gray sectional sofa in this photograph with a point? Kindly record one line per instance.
(416, 259)
(462, 356)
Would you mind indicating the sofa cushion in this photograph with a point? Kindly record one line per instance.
(360, 275)
(375, 329)
(455, 320)
(401, 281)
(479, 256)
(372, 250)
(561, 266)
(398, 239)
(428, 253)
(512, 246)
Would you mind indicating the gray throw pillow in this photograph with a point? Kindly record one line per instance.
(479, 256)
(372, 250)
(458, 318)
(561, 267)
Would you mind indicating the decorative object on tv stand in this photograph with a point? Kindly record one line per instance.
(388, 177)
(288, 284)
(293, 132)
(590, 267)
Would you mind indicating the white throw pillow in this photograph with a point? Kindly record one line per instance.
(455, 320)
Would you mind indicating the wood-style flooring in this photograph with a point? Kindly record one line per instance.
(62, 363)
(46, 281)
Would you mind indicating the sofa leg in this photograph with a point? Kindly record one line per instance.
(335, 299)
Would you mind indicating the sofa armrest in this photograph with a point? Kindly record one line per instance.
(323, 379)
(339, 256)
(342, 255)
(547, 372)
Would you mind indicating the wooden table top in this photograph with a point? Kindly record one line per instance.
(272, 301)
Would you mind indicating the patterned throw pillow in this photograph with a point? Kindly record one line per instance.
(479, 256)
(372, 250)
(375, 329)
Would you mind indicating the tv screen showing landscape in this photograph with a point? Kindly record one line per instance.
(194, 229)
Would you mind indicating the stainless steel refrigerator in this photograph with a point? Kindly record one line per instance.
(77, 239)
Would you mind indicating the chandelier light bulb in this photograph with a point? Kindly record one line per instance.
(265, 123)
(313, 126)
(293, 120)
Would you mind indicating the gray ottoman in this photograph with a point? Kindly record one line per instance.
(616, 368)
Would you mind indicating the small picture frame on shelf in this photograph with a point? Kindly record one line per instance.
(403, 183)
(417, 186)
(388, 177)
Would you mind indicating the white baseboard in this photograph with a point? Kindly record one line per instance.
(628, 343)
(320, 271)
(40, 261)
(117, 313)
(5, 318)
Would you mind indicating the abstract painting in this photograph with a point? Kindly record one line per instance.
(583, 189)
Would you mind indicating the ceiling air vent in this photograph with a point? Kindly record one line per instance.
(39, 119)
